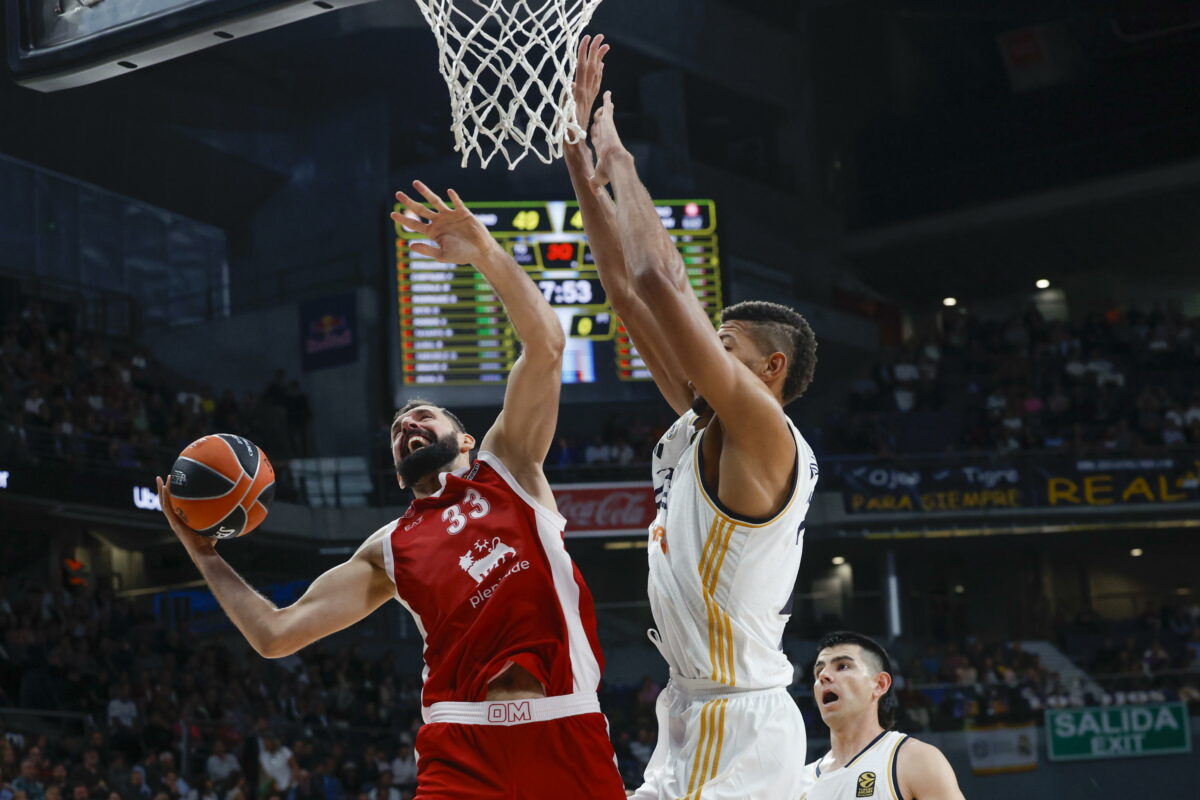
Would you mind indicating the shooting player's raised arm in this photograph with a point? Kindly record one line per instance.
(523, 431)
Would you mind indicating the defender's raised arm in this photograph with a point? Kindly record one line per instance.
(739, 371)
(600, 224)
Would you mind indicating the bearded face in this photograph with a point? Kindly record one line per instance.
(422, 457)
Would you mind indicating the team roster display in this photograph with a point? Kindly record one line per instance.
(453, 329)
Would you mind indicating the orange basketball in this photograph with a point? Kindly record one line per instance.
(221, 486)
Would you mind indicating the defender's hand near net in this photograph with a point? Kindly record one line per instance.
(606, 141)
(588, 76)
(458, 236)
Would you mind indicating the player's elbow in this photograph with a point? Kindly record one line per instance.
(275, 639)
(548, 348)
(654, 279)
(273, 646)
(273, 650)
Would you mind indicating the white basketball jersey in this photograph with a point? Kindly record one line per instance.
(870, 774)
(721, 587)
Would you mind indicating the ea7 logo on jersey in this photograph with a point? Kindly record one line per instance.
(866, 785)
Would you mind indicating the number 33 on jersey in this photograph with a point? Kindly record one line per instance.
(477, 508)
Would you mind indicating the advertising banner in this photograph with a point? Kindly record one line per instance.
(960, 484)
(328, 331)
(997, 749)
(889, 487)
(1118, 481)
(605, 509)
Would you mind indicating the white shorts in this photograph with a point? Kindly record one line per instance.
(726, 746)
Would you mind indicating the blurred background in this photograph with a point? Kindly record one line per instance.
(989, 212)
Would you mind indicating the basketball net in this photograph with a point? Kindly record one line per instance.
(509, 65)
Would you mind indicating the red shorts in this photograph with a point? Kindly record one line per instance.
(549, 748)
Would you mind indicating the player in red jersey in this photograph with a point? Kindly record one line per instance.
(512, 660)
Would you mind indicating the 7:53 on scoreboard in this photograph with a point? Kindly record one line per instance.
(573, 292)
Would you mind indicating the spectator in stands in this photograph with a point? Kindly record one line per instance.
(221, 764)
(1025, 383)
(598, 452)
(1192, 658)
(299, 419)
(383, 788)
(28, 783)
(138, 788)
(642, 747)
(88, 773)
(279, 768)
(404, 767)
(328, 787)
(648, 695)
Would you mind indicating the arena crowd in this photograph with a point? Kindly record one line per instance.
(100, 701)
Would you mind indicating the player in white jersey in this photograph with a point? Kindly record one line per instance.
(733, 479)
(853, 689)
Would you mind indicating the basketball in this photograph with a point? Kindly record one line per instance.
(221, 486)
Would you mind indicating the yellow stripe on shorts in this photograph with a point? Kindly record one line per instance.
(708, 747)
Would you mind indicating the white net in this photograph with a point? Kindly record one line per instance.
(509, 66)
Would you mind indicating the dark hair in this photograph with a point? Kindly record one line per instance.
(783, 330)
(888, 704)
(418, 401)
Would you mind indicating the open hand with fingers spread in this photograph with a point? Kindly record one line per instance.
(458, 238)
(588, 77)
(606, 142)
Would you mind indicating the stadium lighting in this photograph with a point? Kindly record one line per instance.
(949, 302)
(1043, 283)
(838, 561)
(1136, 552)
(959, 589)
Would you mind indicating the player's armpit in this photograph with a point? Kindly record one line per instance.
(925, 774)
(750, 414)
(336, 600)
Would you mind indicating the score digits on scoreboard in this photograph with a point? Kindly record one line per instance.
(453, 329)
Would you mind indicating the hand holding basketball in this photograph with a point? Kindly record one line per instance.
(588, 76)
(221, 487)
(458, 236)
(194, 542)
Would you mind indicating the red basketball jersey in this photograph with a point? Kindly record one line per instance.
(482, 567)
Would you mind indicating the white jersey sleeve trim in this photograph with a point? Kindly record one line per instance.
(389, 563)
(553, 517)
(798, 484)
(389, 559)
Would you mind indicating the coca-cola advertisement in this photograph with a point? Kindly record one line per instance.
(602, 509)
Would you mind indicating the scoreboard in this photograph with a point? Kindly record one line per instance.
(453, 329)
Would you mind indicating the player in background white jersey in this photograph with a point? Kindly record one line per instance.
(852, 685)
(733, 479)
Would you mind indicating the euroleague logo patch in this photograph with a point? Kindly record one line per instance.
(866, 785)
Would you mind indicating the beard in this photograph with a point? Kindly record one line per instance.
(700, 406)
(430, 458)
